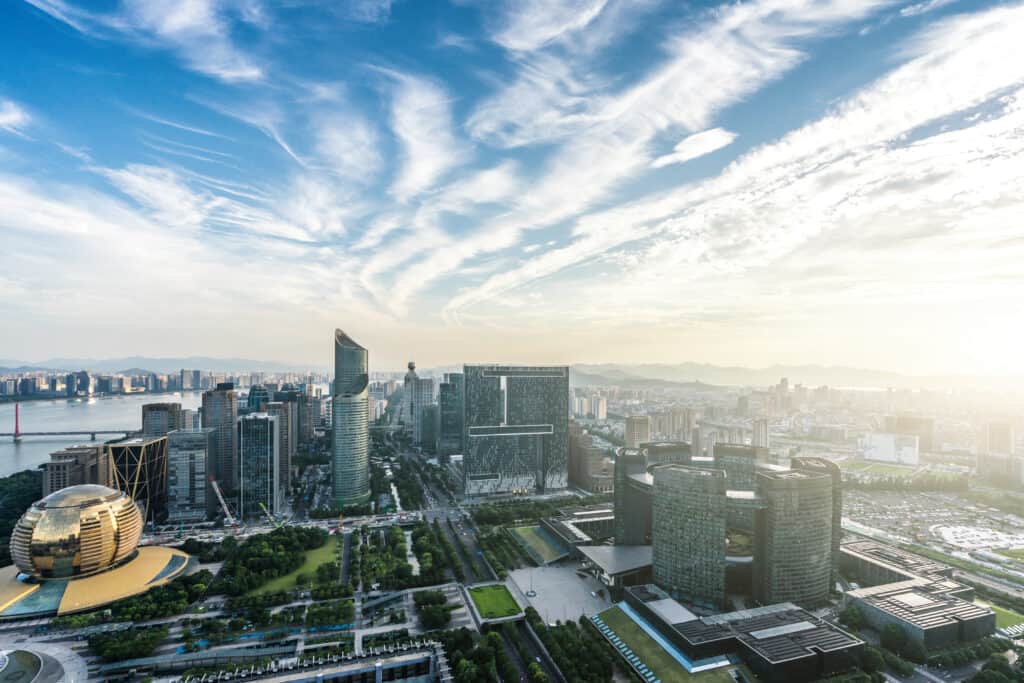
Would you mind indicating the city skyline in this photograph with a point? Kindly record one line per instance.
(771, 182)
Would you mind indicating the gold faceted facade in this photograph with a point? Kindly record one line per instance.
(77, 531)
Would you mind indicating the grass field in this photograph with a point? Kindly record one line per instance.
(494, 602)
(654, 657)
(1012, 553)
(1004, 617)
(314, 558)
(537, 543)
(883, 470)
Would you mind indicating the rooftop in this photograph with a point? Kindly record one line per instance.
(75, 496)
(776, 633)
(618, 559)
(921, 602)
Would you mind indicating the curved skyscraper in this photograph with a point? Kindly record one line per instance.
(350, 461)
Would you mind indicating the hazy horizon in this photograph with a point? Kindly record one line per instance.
(772, 182)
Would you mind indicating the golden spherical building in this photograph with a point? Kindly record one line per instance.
(75, 532)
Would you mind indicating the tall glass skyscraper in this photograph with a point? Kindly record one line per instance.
(220, 411)
(350, 461)
(452, 405)
(259, 463)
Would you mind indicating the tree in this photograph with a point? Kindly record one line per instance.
(851, 618)
(893, 638)
(915, 651)
(872, 660)
(999, 663)
(536, 674)
(990, 676)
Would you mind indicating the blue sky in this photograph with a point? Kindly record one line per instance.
(773, 181)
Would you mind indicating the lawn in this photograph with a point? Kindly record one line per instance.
(1012, 553)
(883, 470)
(494, 601)
(1004, 617)
(654, 657)
(328, 552)
(538, 543)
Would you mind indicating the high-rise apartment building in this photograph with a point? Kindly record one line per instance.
(638, 430)
(599, 407)
(257, 397)
(160, 418)
(259, 443)
(74, 465)
(590, 468)
(760, 435)
(188, 496)
(793, 549)
(418, 393)
(1000, 438)
(309, 418)
(516, 429)
(287, 417)
(350, 458)
(451, 403)
(220, 411)
(689, 533)
(138, 467)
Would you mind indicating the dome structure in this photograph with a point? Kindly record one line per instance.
(77, 531)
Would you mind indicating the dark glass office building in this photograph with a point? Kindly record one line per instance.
(220, 411)
(516, 431)
(451, 401)
(690, 533)
(793, 539)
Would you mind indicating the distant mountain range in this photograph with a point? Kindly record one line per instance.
(642, 376)
(808, 375)
(135, 365)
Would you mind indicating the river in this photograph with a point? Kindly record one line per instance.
(82, 414)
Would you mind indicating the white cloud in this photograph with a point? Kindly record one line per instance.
(349, 144)
(924, 7)
(696, 145)
(198, 31)
(368, 11)
(852, 172)
(531, 24)
(421, 119)
(13, 118)
(718, 63)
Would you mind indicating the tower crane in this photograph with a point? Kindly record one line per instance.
(228, 517)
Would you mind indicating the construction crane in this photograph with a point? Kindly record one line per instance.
(229, 519)
(277, 523)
